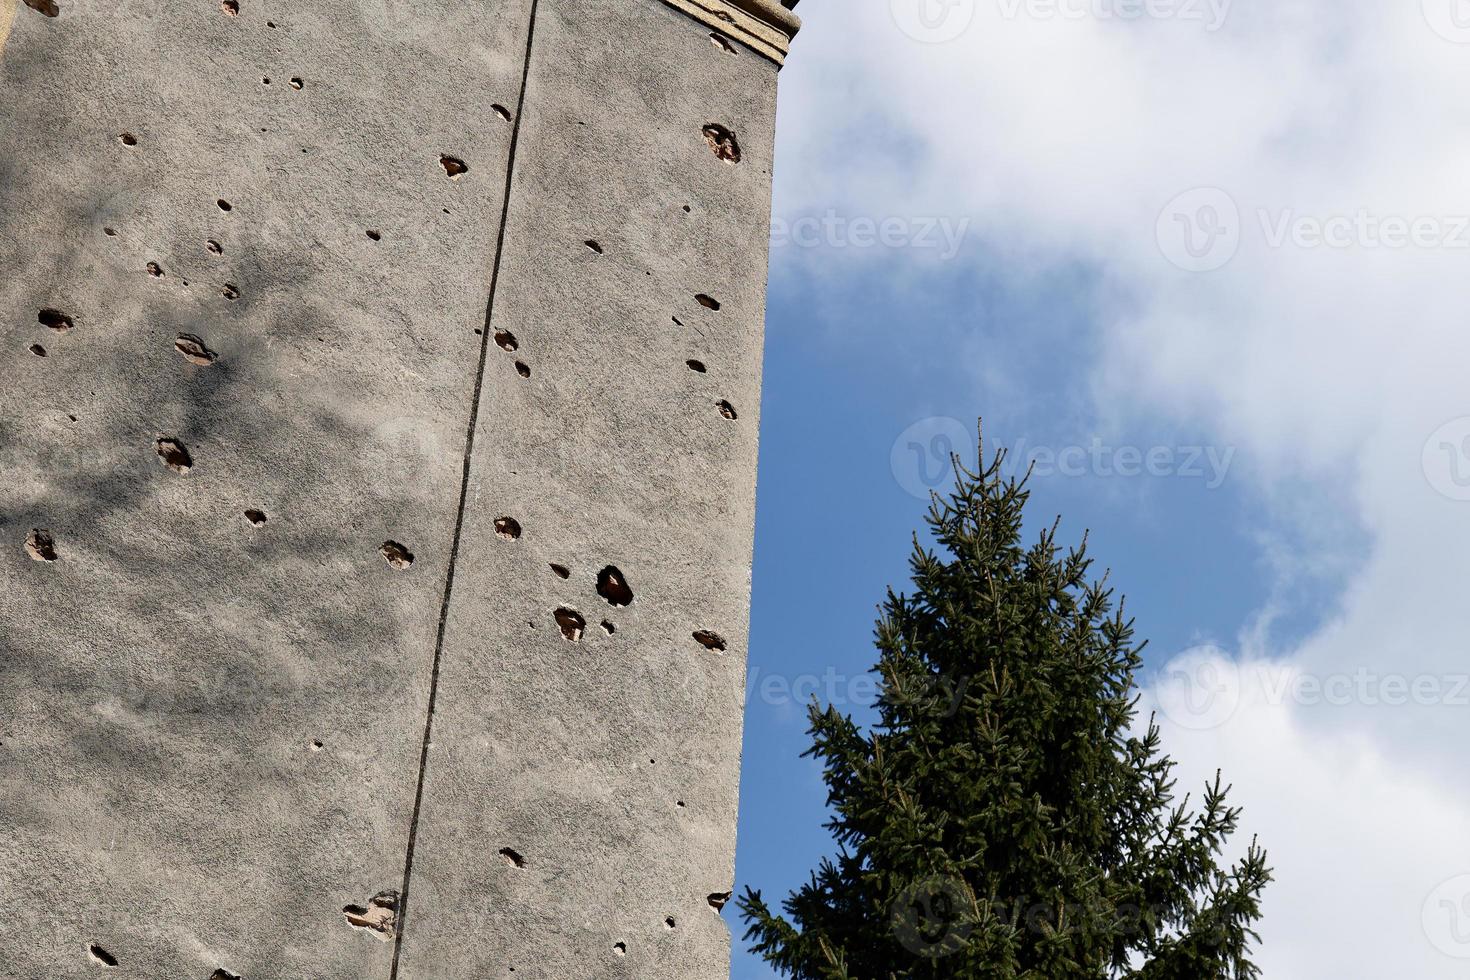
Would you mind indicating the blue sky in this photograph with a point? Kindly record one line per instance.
(1288, 379)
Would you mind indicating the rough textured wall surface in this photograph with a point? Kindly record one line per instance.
(349, 630)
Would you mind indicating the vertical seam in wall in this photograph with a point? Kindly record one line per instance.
(464, 488)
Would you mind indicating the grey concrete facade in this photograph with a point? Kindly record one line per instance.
(377, 455)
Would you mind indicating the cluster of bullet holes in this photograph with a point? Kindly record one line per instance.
(174, 454)
(98, 954)
(723, 142)
(453, 166)
(379, 917)
(47, 7)
(41, 546)
(710, 640)
(396, 555)
(507, 342)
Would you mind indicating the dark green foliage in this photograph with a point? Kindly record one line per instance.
(1002, 819)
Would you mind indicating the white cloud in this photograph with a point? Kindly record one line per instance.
(1328, 358)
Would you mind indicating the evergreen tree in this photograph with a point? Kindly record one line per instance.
(1003, 819)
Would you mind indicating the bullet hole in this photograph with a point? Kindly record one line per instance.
(453, 166)
(508, 528)
(608, 627)
(506, 340)
(231, 8)
(214, 247)
(271, 24)
(669, 923)
(512, 858)
(501, 111)
(256, 518)
(688, 209)
(679, 804)
(678, 322)
(719, 900)
(593, 246)
(41, 546)
(224, 975)
(396, 555)
(155, 270)
(720, 41)
(298, 84)
(561, 570)
(317, 745)
(380, 916)
(225, 205)
(56, 321)
(697, 366)
(38, 350)
(710, 640)
(723, 142)
(231, 291)
(174, 455)
(110, 232)
(728, 410)
(194, 350)
(523, 369)
(127, 139)
(613, 587)
(49, 8)
(708, 302)
(571, 622)
(376, 236)
(265, 81)
(96, 952)
(620, 949)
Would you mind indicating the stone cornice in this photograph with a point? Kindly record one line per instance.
(766, 26)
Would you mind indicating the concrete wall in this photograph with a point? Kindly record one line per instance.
(323, 527)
